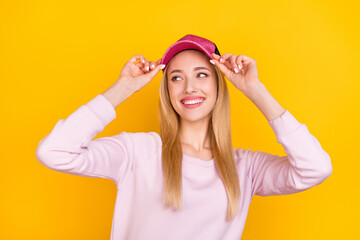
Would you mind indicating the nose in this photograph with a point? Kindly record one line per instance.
(190, 86)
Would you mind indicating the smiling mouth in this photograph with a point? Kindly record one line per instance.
(192, 102)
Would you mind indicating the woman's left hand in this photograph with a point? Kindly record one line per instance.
(245, 78)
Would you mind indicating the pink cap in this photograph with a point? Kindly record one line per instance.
(189, 41)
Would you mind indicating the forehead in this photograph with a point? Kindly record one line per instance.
(188, 58)
(189, 54)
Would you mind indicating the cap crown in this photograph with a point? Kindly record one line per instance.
(190, 41)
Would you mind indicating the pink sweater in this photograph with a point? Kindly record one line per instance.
(133, 162)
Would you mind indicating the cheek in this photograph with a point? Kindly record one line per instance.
(174, 91)
(211, 88)
(174, 95)
(212, 91)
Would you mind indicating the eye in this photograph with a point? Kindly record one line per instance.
(172, 79)
(202, 73)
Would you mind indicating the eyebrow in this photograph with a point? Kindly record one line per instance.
(196, 68)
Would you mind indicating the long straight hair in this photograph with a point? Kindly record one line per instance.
(219, 132)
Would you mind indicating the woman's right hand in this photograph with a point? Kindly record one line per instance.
(136, 75)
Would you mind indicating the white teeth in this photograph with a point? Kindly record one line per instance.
(193, 101)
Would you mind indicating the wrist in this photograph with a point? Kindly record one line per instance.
(117, 93)
(253, 90)
(124, 87)
(264, 101)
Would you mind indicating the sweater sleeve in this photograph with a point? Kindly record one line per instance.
(69, 147)
(305, 165)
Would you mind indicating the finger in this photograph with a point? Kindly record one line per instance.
(218, 57)
(226, 58)
(144, 69)
(158, 61)
(143, 64)
(139, 65)
(226, 61)
(229, 65)
(233, 64)
(229, 62)
(222, 67)
(239, 61)
(136, 58)
(146, 65)
(242, 61)
(154, 72)
(152, 65)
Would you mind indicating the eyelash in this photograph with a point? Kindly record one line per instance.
(172, 79)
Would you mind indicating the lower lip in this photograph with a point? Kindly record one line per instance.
(193, 105)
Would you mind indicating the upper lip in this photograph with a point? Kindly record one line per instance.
(192, 98)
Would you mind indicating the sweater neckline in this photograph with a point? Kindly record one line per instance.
(198, 161)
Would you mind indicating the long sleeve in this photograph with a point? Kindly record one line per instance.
(305, 165)
(69, 147)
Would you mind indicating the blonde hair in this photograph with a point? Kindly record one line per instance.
(220, 139)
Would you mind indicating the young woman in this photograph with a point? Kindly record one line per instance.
(188, 182)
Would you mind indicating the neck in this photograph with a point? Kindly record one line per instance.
(195, 134)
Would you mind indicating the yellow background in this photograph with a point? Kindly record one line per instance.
(58, 55)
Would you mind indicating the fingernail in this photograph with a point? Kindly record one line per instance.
(162, 66)
(152, 66)
(147, 68)
(212, 61)
(221, 59)
(236, 71)
(239, 66)
(143, 60)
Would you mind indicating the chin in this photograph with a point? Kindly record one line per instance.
(194, 117)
